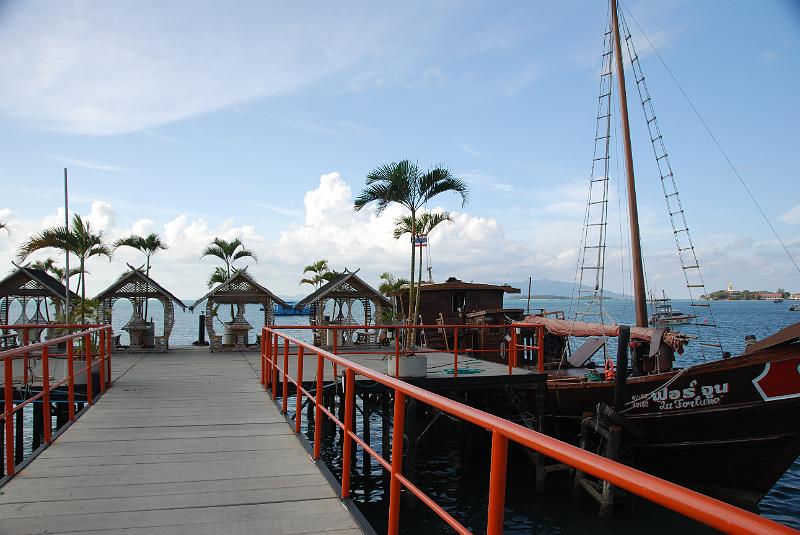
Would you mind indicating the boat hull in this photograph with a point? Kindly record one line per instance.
(730, 427)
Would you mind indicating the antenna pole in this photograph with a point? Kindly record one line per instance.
(639, 297)
(66, 260)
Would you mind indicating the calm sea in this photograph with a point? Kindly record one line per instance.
(453, 486)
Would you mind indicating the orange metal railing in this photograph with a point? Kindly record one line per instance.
(510, 351)
(691, 504)
(42, 350)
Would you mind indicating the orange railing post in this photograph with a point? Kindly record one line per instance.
(299, 390)
(512, 353)
(46, 420)
(102, 346)
(397, 352)
(398, 426)
(25, 357)
(8, 374)
(264, 346)
(70, 380)
(335, 352)
(87, 351)
(497, 484)
(318, 406)
(109, 336)
(540, 348)
(275, 367)
(455, 351)
(347, 446)
(285, 383)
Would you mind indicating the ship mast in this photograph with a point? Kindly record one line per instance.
(637, 273)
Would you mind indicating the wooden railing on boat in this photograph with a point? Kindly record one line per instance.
(275, 374)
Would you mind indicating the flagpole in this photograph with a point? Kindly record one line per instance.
(66, 261)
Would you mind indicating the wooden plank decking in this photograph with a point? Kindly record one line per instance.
(184, 443)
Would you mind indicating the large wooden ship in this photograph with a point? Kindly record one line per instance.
(729, 426)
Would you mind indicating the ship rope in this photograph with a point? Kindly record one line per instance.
(714, 139)
(703, 322)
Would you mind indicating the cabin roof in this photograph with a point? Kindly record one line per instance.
(346, 284)
(455, 284)
(29, 282)
(241, 287)
(136, 283)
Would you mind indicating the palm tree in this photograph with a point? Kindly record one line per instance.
(3, 226)
(426, 222)
(228, 252)
(403, 183)
(391, 287)
(321, 273)
(149, 245)
(79, 240)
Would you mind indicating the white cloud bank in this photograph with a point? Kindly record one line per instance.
(471, 248)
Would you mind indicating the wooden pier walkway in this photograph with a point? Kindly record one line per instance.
(184, 443)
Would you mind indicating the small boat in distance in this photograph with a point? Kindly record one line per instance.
(662, 313)
(290, 310)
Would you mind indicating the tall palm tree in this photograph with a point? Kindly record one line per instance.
(228, 252)
(403, 183)
(320, 273)
(149, 245)
(426, 222)
(80, 240)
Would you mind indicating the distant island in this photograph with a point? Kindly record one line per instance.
(751, 295)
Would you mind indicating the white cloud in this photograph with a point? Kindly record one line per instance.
(469, 150)
(101, 216)
(87, 164)
(792, 217)
(131, 66)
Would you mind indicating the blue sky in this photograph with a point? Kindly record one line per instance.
(260, 120)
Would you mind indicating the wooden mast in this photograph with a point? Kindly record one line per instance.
(640, 299)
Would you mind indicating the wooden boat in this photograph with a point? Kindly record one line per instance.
(730, 427)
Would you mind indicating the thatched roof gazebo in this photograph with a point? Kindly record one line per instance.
(239, 290)
(344, 292)
(25, 285)
(138, 288)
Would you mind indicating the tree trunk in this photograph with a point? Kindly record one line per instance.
(409, 338)
(419, 286)
(83, 291)
(147, 301)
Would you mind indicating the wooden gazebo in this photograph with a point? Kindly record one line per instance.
(240, 290)
(138, 288)
(25, 285)
(343, 292)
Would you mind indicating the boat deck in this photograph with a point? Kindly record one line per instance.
(184, 443)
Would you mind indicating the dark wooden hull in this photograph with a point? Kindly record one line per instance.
(730, 427)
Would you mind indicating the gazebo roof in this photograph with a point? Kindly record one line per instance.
(241, 287)
(29, 282)
(135, 283)
(356, 289)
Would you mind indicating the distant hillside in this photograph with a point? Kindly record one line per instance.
(546, 288)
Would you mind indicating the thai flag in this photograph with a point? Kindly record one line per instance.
(421, 241)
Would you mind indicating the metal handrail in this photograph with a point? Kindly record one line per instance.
(686, 502)
(513, 348)
(24, 352)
